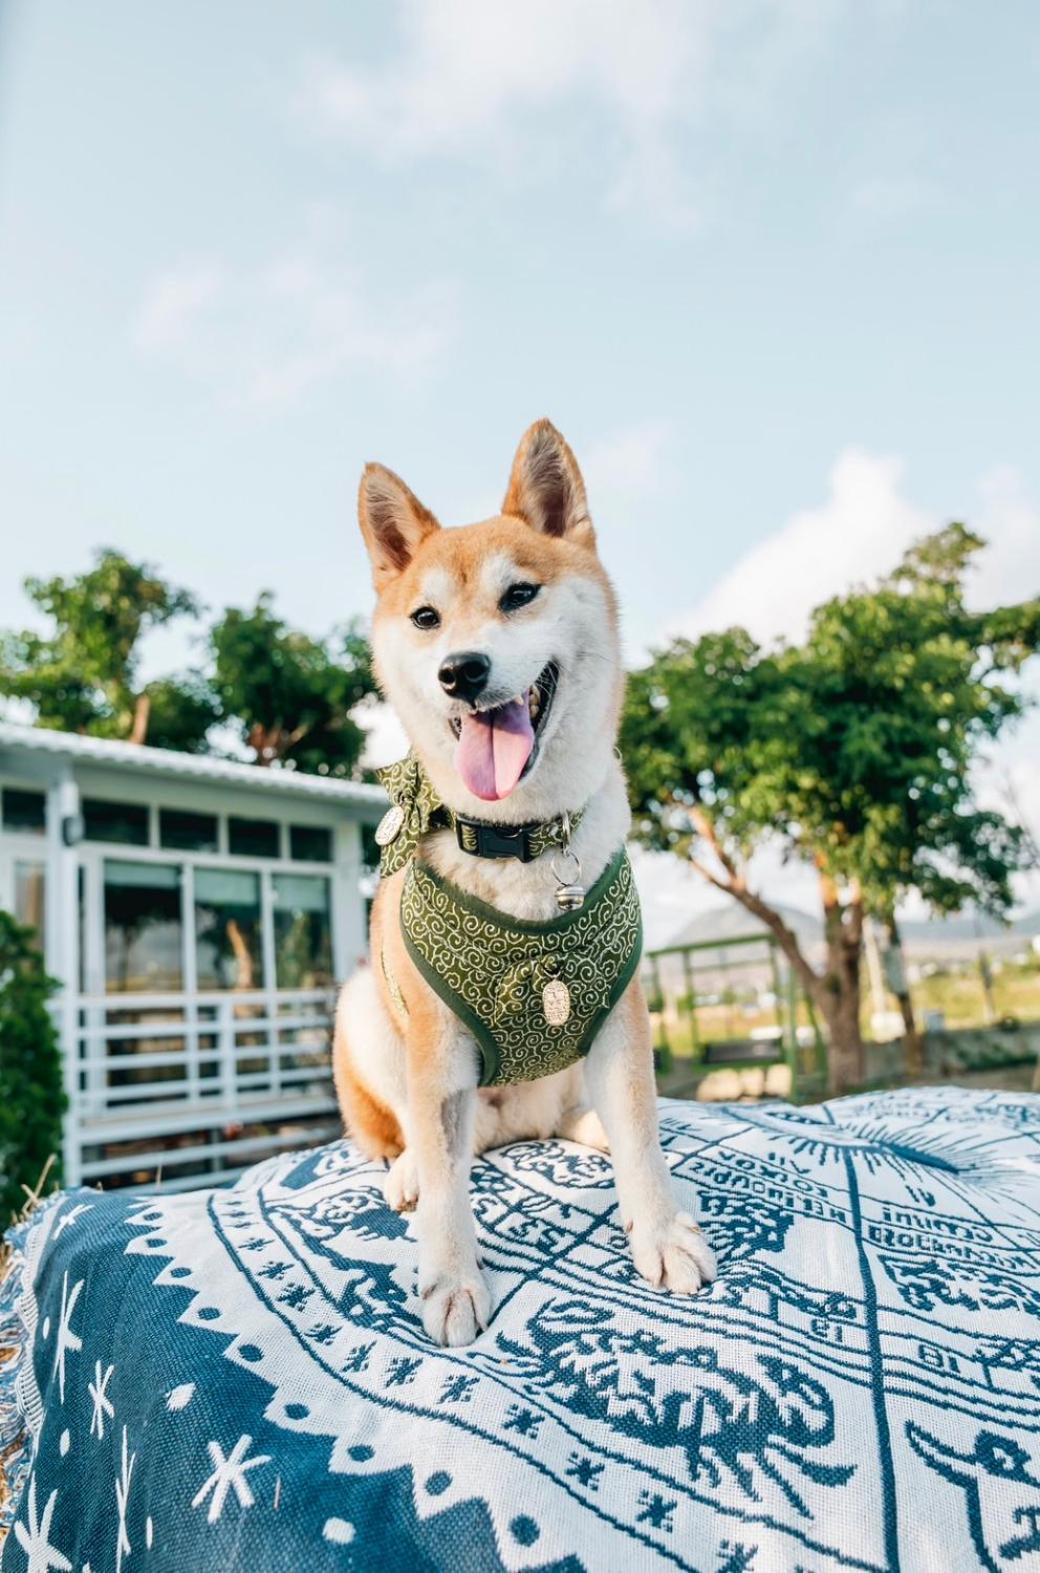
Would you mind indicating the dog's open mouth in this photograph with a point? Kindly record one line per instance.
(498, 745)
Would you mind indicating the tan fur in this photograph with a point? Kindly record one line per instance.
(373, 1126)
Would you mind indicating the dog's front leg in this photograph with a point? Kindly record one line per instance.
(668, 1246)
(442, 1104)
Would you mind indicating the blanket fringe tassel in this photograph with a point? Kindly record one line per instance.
(15, 1450)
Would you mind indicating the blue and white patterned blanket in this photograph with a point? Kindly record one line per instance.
(238, 1379)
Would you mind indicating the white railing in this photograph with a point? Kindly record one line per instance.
(186, 1089)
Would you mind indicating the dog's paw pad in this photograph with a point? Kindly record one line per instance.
(455, 1310)
(675, 1256)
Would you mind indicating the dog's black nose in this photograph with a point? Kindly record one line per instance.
(464, 674)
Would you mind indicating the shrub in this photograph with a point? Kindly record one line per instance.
(32, 1094)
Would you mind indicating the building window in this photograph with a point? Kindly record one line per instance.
(29, 895)
(254, 838)
(302, 932)
(126, 823)
(228, 951)
(143, 930)
(310, 843)
(24, 810)
(184, 831)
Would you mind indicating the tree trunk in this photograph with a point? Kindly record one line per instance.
(142, 713)
(837, 994)
(896, 977)
(840, 1010)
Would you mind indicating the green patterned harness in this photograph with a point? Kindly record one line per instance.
(533, 994)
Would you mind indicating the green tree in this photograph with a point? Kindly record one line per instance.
(290, 696)
(83, 676)
(853, 752)
(33, 1100)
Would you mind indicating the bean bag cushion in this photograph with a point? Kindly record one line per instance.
(238, 1378)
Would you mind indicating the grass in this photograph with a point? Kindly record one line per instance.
(961, 997)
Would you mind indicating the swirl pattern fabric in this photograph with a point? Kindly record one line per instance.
(238, 1378)
(493, 971)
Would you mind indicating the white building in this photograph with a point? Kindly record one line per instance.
(198, 914)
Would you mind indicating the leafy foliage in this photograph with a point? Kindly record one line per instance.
(854, 751)
(289, 695)
(181, 712)
(33, 1099)
(83, 677)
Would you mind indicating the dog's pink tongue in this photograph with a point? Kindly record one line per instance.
(493, 748)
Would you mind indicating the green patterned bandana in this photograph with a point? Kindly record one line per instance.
(534, 995)
(414, 810)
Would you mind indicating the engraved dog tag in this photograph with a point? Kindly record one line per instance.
(556, 1002)
(389, 827)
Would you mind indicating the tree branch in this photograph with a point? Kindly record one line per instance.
(704, 826)
(735, 885)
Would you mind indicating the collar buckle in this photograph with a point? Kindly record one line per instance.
(483, 840)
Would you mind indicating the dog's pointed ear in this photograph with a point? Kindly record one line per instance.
(546, 489)
(393, 522)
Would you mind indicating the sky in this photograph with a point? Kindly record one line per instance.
(771, 267)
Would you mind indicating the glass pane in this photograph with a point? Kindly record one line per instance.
(302, 934)
(187, 832)
(142, 928)
(29, 895)
(310, 843)
(123, 822)
(253, 837)
(24, 810)
(228, 952)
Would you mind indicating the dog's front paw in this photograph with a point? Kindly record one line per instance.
(674, 1255)
(455, 1308)
(401, 1184)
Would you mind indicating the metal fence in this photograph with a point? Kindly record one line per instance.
(734, 1005)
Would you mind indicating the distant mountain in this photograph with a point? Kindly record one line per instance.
(972, 926)
(922, 939)
(733, 921)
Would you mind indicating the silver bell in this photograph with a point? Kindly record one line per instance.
(570, 897)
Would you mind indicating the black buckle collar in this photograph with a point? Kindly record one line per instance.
(484, 840)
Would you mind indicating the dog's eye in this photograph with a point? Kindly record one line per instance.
(426, 617)
(518, 595)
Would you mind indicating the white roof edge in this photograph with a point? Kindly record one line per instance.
(198, 767)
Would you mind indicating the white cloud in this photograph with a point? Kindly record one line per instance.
(265, 333)
(1010, 520)
(860, 531)
(470, 79)
(858, 534)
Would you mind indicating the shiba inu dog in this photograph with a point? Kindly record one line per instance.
(497, 644)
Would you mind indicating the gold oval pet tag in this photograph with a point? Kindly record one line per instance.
(556, 1002)
(389, 827)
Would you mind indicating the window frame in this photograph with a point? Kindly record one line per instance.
(93, 855)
